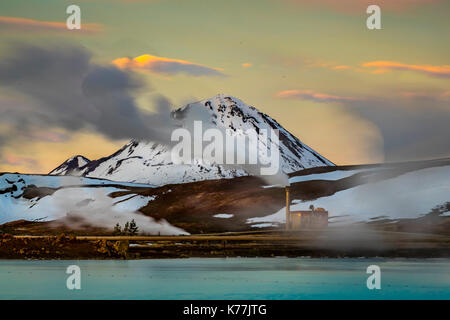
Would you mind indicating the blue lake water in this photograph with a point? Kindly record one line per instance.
(228, 278)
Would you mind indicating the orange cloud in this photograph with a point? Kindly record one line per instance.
(343, 67)
(383, 66)
(313, 96)
(246, 65)
(37, 25)
(166, 66)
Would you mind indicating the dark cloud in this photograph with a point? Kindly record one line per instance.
(412, 128)
(414, 125)
(63, 88)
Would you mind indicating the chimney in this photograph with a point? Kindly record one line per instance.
(288, 209)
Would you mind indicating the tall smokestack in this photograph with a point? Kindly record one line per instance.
(288, 210)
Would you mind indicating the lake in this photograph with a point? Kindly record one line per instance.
(227, 278)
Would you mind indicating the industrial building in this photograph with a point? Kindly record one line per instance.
(305, 219)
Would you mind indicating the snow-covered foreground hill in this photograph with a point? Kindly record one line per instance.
(409, 195)
(150, 162)
(394, 195)
(75, 201)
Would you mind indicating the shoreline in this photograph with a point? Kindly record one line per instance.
(412, 259)
(314, 244)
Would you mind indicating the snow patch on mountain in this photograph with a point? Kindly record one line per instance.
(334, 175)
(223, 215)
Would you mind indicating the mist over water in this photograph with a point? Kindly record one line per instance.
(352, 237)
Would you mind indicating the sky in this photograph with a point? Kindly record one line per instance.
(352, 94)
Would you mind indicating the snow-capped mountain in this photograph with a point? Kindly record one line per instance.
(71, 166)
(142, 162)
(150, 162)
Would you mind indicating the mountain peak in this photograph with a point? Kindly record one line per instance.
(150, 162)
(71, 166)
(228, 112)
(79, 158)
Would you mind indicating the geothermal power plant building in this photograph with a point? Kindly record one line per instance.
(304, 219)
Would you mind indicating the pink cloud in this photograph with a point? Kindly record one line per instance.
(443, 96)
(313, 96)
(19, 161)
